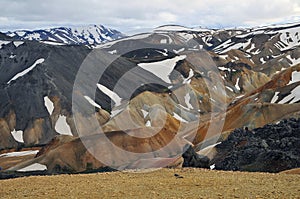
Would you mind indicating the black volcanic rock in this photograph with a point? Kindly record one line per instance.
(272, 148)
(192, 159)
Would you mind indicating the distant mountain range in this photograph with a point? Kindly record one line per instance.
(87, 35)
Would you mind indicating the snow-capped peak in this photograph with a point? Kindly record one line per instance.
(87, 35)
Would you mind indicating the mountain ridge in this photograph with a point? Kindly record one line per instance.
(81, 35)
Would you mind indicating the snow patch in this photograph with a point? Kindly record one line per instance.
(112, 95)
(187, 99)
(53, 43)
(178, 51)
(256, 52)
(34, 167)
(188, 79)
(262, 60)
(20, 33)
(223, 56)
(115, 112)
(24, 72)
(18, 43)
(145, 113)
(293, 60)
(275, 97)
(148, 123)
(163, 52)
(3, 43)
(162, 69)
(251, 48)
(92, 102)
(19, 153)
(112, 52)
(237, 84)
(177, 117)
(295, 77)
(293, 97)
(62, 126)
(49, 105)
(222, 68)
(229, 45)
(18, 135)
(163, 41)
(229, 88)
(240, 96)
(289, 38)
(12, 56)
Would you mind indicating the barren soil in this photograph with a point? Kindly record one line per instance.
(196, 183)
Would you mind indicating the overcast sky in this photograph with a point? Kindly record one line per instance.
(139, 15)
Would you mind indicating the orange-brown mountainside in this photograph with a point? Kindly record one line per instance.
(141, 93)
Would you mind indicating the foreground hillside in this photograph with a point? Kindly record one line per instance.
(196, 183)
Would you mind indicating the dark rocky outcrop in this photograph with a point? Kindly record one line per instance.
(272, 148)
(192, 159)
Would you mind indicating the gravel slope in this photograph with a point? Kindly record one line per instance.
(196, 183)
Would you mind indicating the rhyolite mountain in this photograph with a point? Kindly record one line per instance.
(84, 35)
(184, 81)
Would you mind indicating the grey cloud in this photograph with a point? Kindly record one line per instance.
(129, 14)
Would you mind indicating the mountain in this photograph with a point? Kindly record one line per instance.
(176, 87)
(88, 35)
